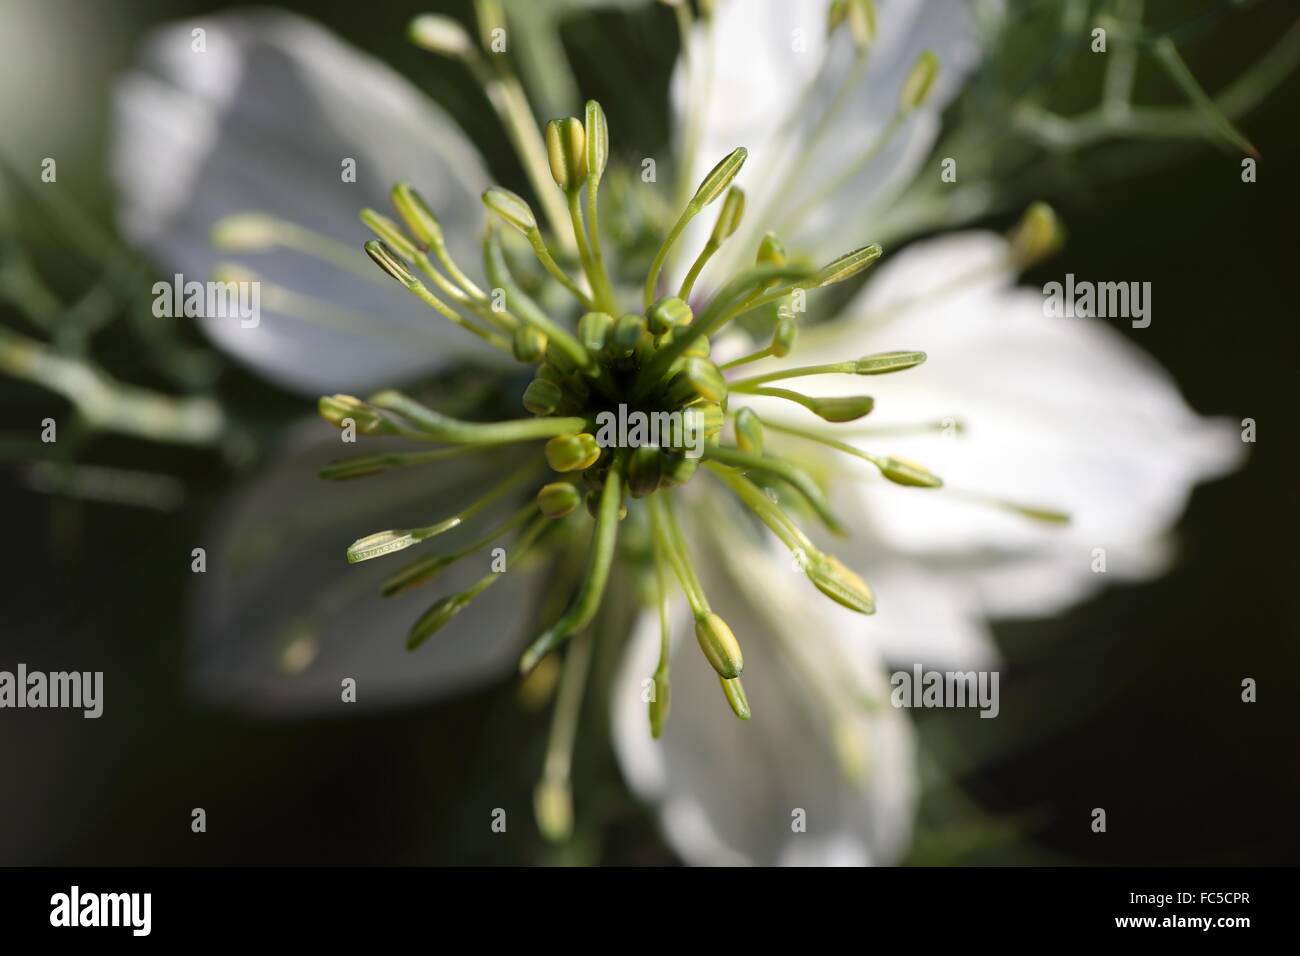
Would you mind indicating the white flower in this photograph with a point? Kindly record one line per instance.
(1063, 413)
(1057, 413)
(263, 120)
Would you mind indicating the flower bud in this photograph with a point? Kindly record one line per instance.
(529, 344)
(677, 470)
(749, 431)
(417, 215)
(566, 150)
(884, 362)
(627, 333)
(708, 417)
(572, 452)
(644, 470)
(512, 208)
(719, 177)
(668, 313)
(1036, 236)
(699, 347)
(542, 397)
(558, 499)
(594, 329)
(699, 378)
(719, 645)
(919, 82)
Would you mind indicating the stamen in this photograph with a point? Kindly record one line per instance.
(659, 704)
(601, 556)
(878, 364)
(736, 696)
(246, 232)
(363, 466)
(729, 217)
(793, 475)
(424, 225)
(447, 608)
(386, 542)
(710, 188)
(388, 260)
(307, 308)
(553, 796)
(415, 421)
(718, 312)
(898, 470)
(528, 310)
(845, 409)
(827, 573)
(916, 90)
(597, 131)
(558, 499)
(515, 211)
(425, 569)
(511, 105)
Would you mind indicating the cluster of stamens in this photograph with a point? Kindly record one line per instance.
(652, 362)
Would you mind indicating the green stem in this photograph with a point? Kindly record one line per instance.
(444, 428)
(748, 384)
(598, 276)
(601, 557)
(794, 476)
(662, 526)
(529, 311)
(766, 509)
(550, 265)
(697, 266)
(652, 277)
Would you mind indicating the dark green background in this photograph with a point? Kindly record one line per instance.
(1135, 694)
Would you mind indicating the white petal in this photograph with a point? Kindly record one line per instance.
(727, 788)
(263, 120)
(766, 55)
(1061, 413)
(276, 570)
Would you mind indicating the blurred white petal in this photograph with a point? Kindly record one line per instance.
(727, 788)
(277, 571)
(1064, 413)
(263, 120)
(765, 56)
